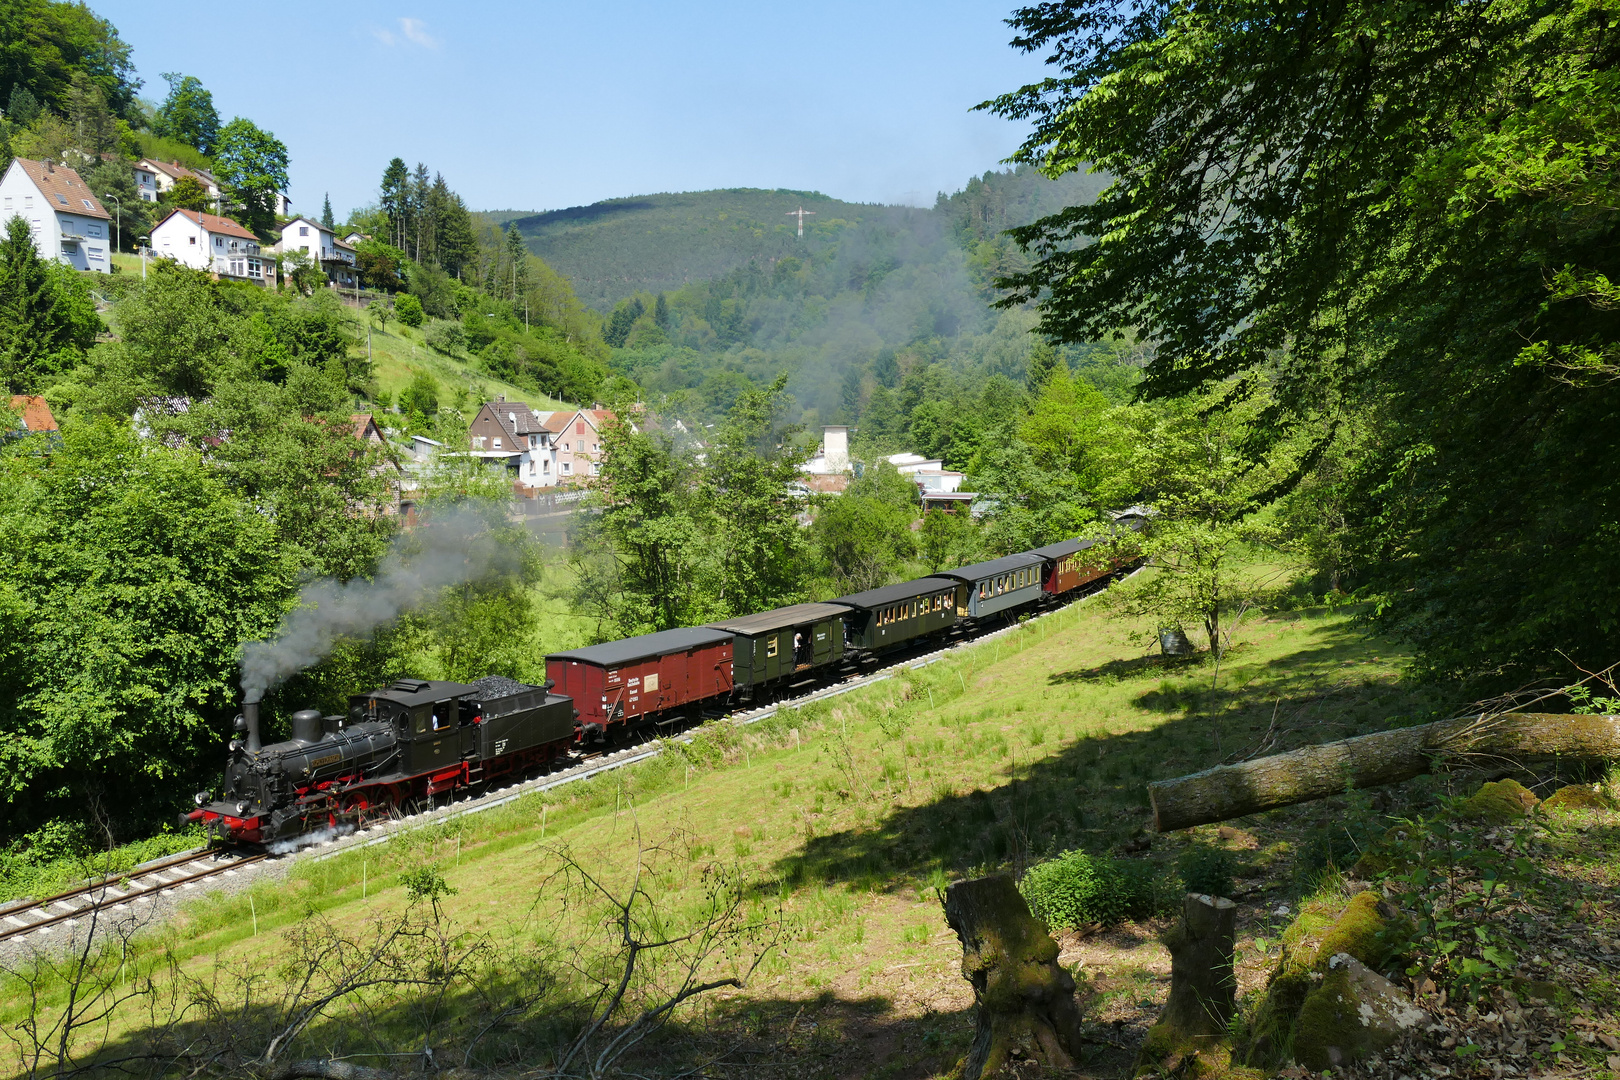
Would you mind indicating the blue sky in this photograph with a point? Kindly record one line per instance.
(546, 105)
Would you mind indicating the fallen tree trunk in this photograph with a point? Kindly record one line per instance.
(1386, 757)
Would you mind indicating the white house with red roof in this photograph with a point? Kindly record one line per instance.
(336, 257)
(576, 438)
(216, 244)
(69, 223)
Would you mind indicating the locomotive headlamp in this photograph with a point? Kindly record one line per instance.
(241, 722)
(201, 797)
(241, 807)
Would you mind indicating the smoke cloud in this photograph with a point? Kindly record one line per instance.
(452, 549)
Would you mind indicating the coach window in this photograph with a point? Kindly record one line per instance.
(422, 714)
(770, 646)
(444, 715)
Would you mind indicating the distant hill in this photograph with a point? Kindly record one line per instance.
(657, 243)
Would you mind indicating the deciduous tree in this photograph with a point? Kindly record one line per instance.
(252, 165)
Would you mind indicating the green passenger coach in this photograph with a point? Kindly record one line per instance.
(881, 619)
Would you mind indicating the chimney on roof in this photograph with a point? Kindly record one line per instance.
(835, 448)
(596, 405)
(501, 399)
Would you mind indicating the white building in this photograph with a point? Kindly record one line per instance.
(832, 456)
(68, 222)
(153, 178)
(216, 244)
(337, 258)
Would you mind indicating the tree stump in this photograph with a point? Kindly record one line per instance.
(1026, 1006)
(1203, 987)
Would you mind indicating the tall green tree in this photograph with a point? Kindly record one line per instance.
(45, 43)
(252, 165)
(641, 552)
(129, 575)
(394, 200)
(515, 285)
(47, 318)
(327, 219)
(758, 545)
(188, 113)
(1407, 208)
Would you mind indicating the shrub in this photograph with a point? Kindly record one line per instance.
(1076, 889)
(408, 310)
(445, 336)
(1206, 870)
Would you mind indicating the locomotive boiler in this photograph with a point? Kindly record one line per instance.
(401, 744)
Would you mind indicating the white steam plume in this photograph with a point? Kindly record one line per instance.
(453, 548)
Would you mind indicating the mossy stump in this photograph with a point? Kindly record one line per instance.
(1368, 929)
(1190, 1034)
(1025, 1001)
(1576, 797)
(1500, 802)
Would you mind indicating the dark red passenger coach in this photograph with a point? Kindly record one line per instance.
(1068, 567)
(649, 676)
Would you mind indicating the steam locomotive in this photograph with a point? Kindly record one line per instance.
(415, 740)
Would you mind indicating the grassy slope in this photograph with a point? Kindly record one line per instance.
(858, 807)
(398, 353)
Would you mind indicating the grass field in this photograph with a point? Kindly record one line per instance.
(844, 818)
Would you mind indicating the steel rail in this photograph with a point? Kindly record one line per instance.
(110, 897)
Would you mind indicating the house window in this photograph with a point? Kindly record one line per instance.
(62, 199)
(219, 241)
(303, 230)
(596, 470)
(28, 202)
(8, 202)
(545, 466)
(567, 469)
(191, 239)
(88, 205)
(93, 230)
(478, 442)
(497, 444)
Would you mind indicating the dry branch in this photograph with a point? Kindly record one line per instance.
(1387, 757)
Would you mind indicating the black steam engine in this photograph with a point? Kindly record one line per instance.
(404, 743)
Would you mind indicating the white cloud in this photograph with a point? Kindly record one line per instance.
(416, 30)
(412, 31)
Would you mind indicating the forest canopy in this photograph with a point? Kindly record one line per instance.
(1398, 222)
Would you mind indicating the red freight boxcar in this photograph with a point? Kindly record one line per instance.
(1067, 566)
(642, 677)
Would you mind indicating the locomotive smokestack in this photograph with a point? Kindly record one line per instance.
(250, 713)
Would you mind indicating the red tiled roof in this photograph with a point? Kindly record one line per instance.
(36, 415)
(213, 223)
(63, 188)
(365, 425)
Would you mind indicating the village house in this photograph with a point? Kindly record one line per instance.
(216, 244)
(153, 178)
(68, 222)
(511, 432)
(576, 439)
(544, 448)
(30, 415)
(337, 258)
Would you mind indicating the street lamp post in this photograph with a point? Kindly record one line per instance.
(144, 241)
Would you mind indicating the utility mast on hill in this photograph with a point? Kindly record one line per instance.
(801, 213)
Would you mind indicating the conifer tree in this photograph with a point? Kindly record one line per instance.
(517, 263)
(395, 182)
(327, 220)
(32, 327)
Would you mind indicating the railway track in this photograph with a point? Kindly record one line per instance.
(144, 883)
(184, 872)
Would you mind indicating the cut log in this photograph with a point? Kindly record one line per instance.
(1386, 757)
(1203, 987)
(1026, 1006)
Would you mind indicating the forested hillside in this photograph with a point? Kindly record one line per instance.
(870, 314)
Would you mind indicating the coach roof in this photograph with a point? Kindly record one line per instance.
(614, 653)
(781, 618)
(889, 594)
(994, 568)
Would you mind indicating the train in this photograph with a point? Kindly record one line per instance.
(417, 740)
